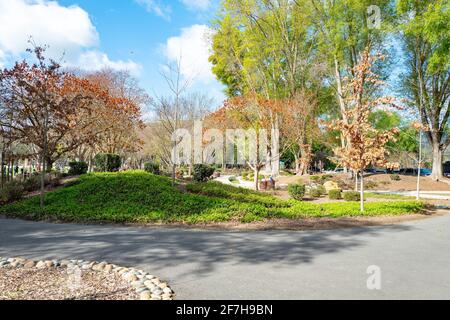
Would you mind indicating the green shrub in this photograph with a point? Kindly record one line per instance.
(233, 179)
(321, 179)
(244, 175)
(371, 184)
(152, 167)
(352, 196)
(32, 184)
(107, 162)
(12, 191)
(395, 177)
(335, 194)
(78, 168)
(202, 172)
(140, 197)
(322, 190)
(297, 191)
(315, 193)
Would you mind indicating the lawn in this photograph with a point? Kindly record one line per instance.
(137, 196)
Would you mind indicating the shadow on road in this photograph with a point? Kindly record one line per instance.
(161, 248)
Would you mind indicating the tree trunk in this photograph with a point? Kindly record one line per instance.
(44, 158)
(43, 169)
(256, 178)
(297, 165)
(437, 173)
(362, 191)
(2, 170)
(49, 164)
(356, 181)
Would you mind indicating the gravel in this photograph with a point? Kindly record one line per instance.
(22, 279)
(61, 284)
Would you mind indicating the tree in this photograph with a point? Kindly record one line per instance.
(121, 120)
(53, 109)
(298, 128)
(253, 113)
(366, 144)
(344, 32)
(426, 36)
(168, 109)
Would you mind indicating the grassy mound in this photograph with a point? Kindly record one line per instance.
(137, 196)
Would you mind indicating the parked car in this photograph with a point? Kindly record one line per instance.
(408, 171)
(424, 172)
(376, 170)
(447, 169)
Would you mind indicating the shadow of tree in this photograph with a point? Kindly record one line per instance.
(159, 248)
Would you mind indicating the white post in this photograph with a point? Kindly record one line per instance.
(419, 165)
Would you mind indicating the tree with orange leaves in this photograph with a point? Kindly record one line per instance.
(119, 116)
(298, 126)
(366, 144)
(54, 110)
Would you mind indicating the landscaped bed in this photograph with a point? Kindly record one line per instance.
(24, 279)
(140, 197)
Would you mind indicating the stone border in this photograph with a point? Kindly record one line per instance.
(147, 286)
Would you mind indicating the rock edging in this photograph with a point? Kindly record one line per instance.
(147, 286)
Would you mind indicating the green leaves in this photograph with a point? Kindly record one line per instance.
(428, 21)
(137, 196)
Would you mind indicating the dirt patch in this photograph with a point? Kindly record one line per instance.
(313, 223)
(409, 183)
(59, 284)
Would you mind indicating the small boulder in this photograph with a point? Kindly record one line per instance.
(330, 185)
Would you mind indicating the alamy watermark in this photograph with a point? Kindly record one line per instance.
(374, 17)
(374, 279)
(236, 146)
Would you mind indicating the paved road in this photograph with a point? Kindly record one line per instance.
(414, 258)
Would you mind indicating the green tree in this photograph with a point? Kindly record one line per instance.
(425, 27)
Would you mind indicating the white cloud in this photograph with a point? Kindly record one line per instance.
(156, 7)
(201, 5)
(95, 60)
(2, 59)
(192, 49)
(66, 30)
(47, 22)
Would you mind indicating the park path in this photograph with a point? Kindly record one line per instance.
(414, 258)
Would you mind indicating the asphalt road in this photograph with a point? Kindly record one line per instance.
(414, 258)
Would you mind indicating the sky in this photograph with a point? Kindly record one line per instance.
(141, 36)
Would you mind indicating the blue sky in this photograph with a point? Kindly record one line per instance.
(138, 35)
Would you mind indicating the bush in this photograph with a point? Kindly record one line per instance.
(233, 179)
(202, 172)
(352, 196)
(322, 190)
(139, 197)
(34, 182)
(321, 179)
(152, 167)
(107, 162)
(371, 184)
(77, 168)
(315, 193)
(244, 175)
(53, 181)
(297, 191)
(12, 191)
(335, 194)
(395, 177)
